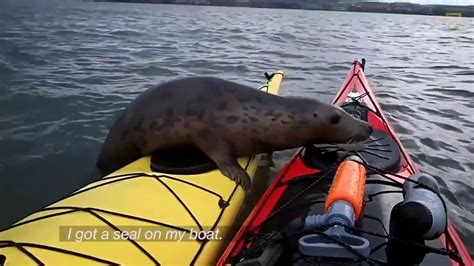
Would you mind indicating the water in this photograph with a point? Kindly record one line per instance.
(68, 68)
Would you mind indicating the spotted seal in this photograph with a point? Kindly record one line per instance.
(224, 120)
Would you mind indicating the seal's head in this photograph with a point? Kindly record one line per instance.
(341, 127)
(331, 124)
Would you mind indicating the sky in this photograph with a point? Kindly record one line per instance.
(444, 2)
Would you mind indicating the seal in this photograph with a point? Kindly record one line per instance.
(225, 120)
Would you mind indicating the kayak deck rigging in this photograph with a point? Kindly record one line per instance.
(270, 234)
(96, 212)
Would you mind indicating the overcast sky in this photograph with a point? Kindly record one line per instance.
(445, 2)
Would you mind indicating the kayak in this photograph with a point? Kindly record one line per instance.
(367, 206)
(161, 209)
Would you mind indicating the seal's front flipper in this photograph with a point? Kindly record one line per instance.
(271, 163)
(232, 169)
(220, 152)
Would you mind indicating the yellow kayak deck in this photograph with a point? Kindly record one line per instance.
(134, 216)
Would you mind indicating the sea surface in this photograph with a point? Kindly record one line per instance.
(67, 68)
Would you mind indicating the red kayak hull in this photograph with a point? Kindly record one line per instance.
(355, 81)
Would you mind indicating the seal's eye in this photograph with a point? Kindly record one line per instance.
(315, 114)
(334, 119)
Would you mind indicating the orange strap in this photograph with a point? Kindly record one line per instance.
(348, 185)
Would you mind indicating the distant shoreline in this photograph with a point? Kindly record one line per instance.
(345, 5)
